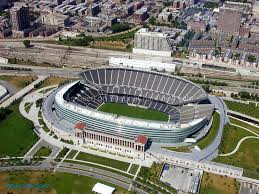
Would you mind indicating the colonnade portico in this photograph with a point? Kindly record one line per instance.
(85, 136)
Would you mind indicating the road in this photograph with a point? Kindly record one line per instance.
(22, 92)
(84, 171)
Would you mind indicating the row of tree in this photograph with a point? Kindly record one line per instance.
(245, 95)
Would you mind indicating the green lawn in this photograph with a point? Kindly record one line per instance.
(43, 151)
(178, 149)
(27, 106)
(18, 81)
(208, 139)
(217, 184)
(59, 183)
(244, 124)
(17, 135)
(152, 174)
(72, 154)
(247, 109)
(133, 111)
(62, 153)
(133, 169)
(99, 167)
(230, 138)
(246, 157)
(104, 161)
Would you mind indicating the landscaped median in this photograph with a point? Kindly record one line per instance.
(208, 139)
(247, 109)
(185, 149)
(244, 124)
(104, 161)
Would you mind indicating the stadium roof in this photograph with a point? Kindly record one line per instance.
(103, 189)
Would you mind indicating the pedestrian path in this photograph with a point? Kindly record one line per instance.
(129, 167)
(238, 145)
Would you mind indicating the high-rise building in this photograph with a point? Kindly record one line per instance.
(20, 17)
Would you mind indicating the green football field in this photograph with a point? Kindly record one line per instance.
(133, 111)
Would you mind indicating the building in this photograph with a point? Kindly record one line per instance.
(141, 15)
(153, 43)
(54, 19)
(20, 17)
(197, 26)
(142, 64)
(3, 92)
(103, 189)
(256, 10)
(229, 21)
(72, 111)
(111, 143)
(4, 4)
(94, 9)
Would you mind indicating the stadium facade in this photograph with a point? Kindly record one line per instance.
(185, 103)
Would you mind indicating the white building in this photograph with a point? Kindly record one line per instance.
(103, 189)
(54, 19)
(152, 43)
(142, 64)
(110, 143)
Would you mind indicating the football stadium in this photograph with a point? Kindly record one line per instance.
(129, 103)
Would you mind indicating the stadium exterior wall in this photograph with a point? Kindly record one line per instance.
(95, 121)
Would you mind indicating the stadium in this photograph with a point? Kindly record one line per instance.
(128, 103)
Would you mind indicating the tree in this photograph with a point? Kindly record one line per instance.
(119, 27)
(27, 43)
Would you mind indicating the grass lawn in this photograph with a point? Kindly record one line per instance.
(218, 184)
(244, 124)
(246, 157)
(152, 174)
(133, 169)
(27, 106)
(18, 81)
(72, 154)
(208, 139)
(17, 135)
(54, 80)
(104, 161)
(99, 167)
(247, 109)
(43, 151)
(230, 138)
(57, 183)
(133, 111)
(62, 153)
(178, 149)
